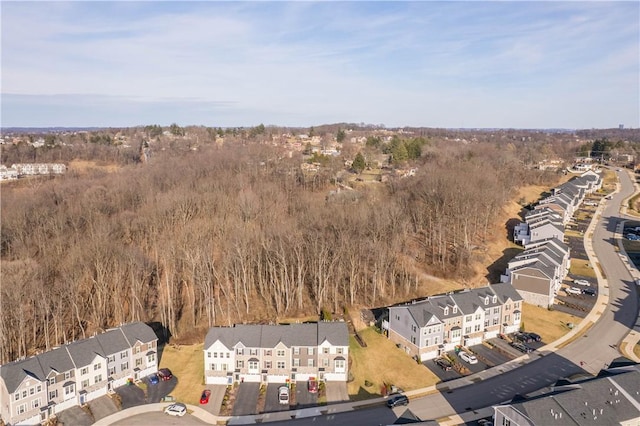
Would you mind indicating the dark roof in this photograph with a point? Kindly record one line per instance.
(57, 360)
(113, 341)
(505, 291)
(15, 372)
(138, 331)
(83, 352)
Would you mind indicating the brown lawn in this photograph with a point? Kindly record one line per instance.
(582, 267)
(550, 325)
(187, 364)
(82, 166)
(382, 363)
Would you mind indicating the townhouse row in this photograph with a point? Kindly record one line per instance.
(31, 169)
(277, 353)
(428, 328)
(34, 389)
(537, 273)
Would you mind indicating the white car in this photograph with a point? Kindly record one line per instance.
(573, 290)
(283, 395)
(467, 357)
(176, 410)
(581, 282)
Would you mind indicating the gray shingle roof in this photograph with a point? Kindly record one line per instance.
(15, 372)
(138, 331)
(335, 333)
(505, 291)
(57, 360)
(113, 341)
(83, 352)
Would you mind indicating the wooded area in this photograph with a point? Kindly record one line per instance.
(235, 233)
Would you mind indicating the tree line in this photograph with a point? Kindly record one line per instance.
(236, 234)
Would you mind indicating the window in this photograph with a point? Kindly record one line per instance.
(413, 328)
(151, 357)
(239, 363)
(112, 371)
(506, 318)
(280, 365)
(516, 305)
(311, 363)
(486, 323)
(478, 316)
(476, 327)
(455, 309)
(52, 381)
(486, 300)
(239, 351)
(24, 393)
(67, 376)
(339, 365)
(35, 403)
(97, 367)
(85, 383)
(136, 350)
(53, 394)
(496, 320)
(325, 362)
(253, 365)
(296, 350)
(426, 342)
(339, 350)
(495, 299)
(267, 352)
(455, 333)
(97, 378)
(296, 362)
(39, 388)
(310, 351)
(516, 317)
(468, 318)
(68, 390)
(325, 350)
(228, 355)
(435, 341)
(280, 352)
(267, 365)
(446, 310)
(496, 310)
(212, 367)
(224, 367)
(123, 354)
(253, 352)
(112, 358)
(138, 362)
(32, 390)
(16, 396)
(21, 408)
(467, 330)
(209, 354)
(507, 307)
(84, 371)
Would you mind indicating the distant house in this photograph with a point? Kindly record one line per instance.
(276, 353)
(7, 173)
(34, 389)
(426, 329)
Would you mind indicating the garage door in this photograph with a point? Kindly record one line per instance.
(490, 334)
(277, 378)
(333, 377)
(251, 378)
(300, 377)
(221, 380)
(470, 341)
(428, 355)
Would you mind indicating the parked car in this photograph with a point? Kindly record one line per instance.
(165, 374)
(312, 385)
(177, 409)
(522, 337)
(521, 347)
(467, 357)
(633, 237)
(581, 282)
(443, 363)
(154, 379)
(573, 290)
(589, 291)
(535, 337)
(204, 398)
(397, 400)
(283, 395)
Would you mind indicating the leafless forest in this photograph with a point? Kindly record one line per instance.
(236, 233)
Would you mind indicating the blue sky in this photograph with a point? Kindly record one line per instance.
(433, 64)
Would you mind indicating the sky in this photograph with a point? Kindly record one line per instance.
(472, 64)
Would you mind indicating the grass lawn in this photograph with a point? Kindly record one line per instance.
(381, 362)
(582, 267)
(186, 363)
(636, 350)
(572, 233)
(550, 325)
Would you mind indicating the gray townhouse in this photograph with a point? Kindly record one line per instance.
(611, 398)
(34, 389)
(427, 328)
(538, 271)
(546, 223)
(276, 353)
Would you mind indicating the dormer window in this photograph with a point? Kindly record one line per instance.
(495, 299)
(455, 309)
(446, 310)
(486, 300)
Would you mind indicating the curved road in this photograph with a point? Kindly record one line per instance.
(591, 352)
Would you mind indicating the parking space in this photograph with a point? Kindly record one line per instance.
(102, 407)
(472, 368)
(130, 396)
(246, 399)
(336, 391)
(271, 402)
(304, 398)
(157, 391)
(215, 399)
(489, 356)
(75, 416)
(443, 375)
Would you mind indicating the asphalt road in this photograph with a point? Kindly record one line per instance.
(155, 418)
(588, 354)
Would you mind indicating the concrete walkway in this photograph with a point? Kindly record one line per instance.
(593, 316)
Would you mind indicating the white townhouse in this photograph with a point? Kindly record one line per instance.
(276, 353)
(34, 389)
(426, 329)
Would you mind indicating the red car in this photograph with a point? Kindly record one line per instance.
(312, 385)
(205, 396)
(165, 374)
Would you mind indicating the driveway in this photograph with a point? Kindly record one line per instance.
(246, 399)
(102, 407)
(156, 392)
(215, 400)
(304, 398)
(489, 356)
(74, 416)
(271, 402)
(438, 371)
(336, 391)
(130, 396)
